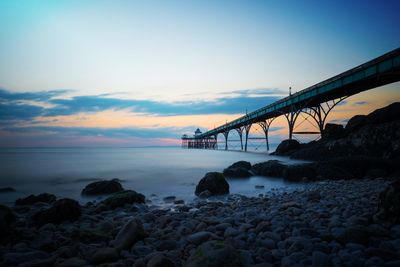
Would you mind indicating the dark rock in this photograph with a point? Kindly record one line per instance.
(122, 198)
(269, 168)
(103, 255)
(32, 199)
(72, 262)
(299, 172)
(216, 254)
(62, 210)
(327, 170)
(333, 131)
(355, 123)
(320, 259)
(214, 182)
(129, 234)
(389, 203)
(237, 172)
(241, 164)
(90, 235)
(169, 199)
(160, 260)
(386, 114)
(357, 234)
(199, 237)
(205, 194)
(286, 146)
(15, 258)
(6, 189)
(7, 217)
(102, 188)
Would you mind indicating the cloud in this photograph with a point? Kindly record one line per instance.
(258, 92)
(360, 103)
(15, 107)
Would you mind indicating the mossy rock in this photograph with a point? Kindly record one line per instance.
(122, 198)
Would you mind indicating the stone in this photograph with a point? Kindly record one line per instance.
(299, 172)
(241, 164)
(120, 199)
(72, 262)
(169, 199)
(103, 255)
(102, 188)
(129, 234)
(269, 168)
(214, 182)
(62, 210)
(238, 172)
(32, 199)
(259, 186)
(15, 258)
(389, 204)
(167, 245)
(286, 146)
(160, 260)
(355, 123)
(205, 194)
(90, 235)
(320, 259)
(215, 254)
(199, 237)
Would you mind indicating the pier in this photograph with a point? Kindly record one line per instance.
(316, 102)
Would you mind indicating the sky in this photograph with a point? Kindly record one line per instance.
(142, 73)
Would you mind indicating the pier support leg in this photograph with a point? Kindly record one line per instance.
(320, 113)
(265, 126)
(240, 132)
(291, 118)
(247, 130)
(226, 139)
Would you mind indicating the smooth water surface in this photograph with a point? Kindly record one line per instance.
(160, 171)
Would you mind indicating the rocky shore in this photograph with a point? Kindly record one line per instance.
(330, 223)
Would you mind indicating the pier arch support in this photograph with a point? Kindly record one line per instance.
(265, 126)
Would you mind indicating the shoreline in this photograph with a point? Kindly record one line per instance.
(327, 222)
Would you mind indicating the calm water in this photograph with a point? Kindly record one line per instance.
(160, 171)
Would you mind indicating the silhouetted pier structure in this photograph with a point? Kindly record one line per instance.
(315, 101)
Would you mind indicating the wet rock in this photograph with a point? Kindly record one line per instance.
(320, 259)
(355, 123)
(299, 172)
(269, 168)
(169, 199)
(389, 203)
(7, 217)
(215, 254)
(21, 257)
(103, 255)
(241, 164)
(286, 146)
(129, 234)
(6, 189)
(102, 188)
(32, 199)
(160, 260)
(62, 210)
(72, 262)
(259, 186)
(214, 182)
(120, 199)
(237, 172)
(199, 237)
(90, 235)
(205, 194)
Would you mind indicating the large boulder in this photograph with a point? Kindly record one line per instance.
(269, 168)
(120, 199)
(389, 203)
(216, 254)
(299, 172)
(333, 131)
(214, 182)
(129, 234)
(7, 217)
(355, 123)
(286, 147)
(32, 199)
(102, 188)
(62, 210)
(238, 169)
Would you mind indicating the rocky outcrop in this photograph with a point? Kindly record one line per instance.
(300, 172)
(389, 204)
(374, 135)
(32, 199)
(102, 188)
(269, 168)
(62, 210)
(214, 182)
(123, 198)
(286, 147)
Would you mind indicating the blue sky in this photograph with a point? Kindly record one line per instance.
(176, 58)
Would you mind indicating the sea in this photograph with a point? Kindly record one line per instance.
(156, 172)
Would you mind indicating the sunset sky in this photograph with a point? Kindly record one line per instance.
(142, 73)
